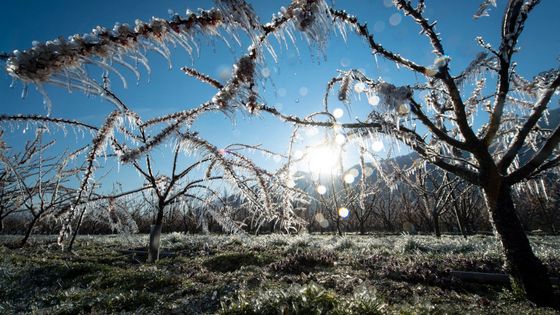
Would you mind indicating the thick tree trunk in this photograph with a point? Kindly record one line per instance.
(155, 236)
(528, 274)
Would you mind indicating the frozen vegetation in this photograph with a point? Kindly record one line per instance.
(269, 274)
(486, 157)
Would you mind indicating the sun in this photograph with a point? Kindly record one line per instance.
(323, 159)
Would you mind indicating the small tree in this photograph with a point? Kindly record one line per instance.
(176, 191)
(436, 193)
(40, 184)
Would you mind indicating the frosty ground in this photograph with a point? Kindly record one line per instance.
(269, 274)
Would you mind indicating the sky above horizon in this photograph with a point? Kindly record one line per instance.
(296, 84)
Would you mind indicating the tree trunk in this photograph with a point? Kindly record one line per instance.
(362, 227)
(2, 225)
(78, 224)
(460, 222)
(435, 218)
(153, 247)
(338, 228)
(28, 231)
(155, 236)
(528, 274)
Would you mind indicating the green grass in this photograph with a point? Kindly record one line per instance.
(305, 274)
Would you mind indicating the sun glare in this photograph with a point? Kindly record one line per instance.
(323, 160)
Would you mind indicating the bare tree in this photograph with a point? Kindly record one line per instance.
(436, 190)
(41, 181)
(539, 204)
(175, 191)
(10, 193)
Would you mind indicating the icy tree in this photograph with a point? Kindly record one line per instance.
(62, 62)
(436, 192)
(10, 197)
(167, 193)
(499, 156)
(41, 183)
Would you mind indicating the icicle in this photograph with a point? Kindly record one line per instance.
(46, 99)
(24, 91)
(128, 66)
(543, 187)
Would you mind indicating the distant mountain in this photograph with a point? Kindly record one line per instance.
(306, 181)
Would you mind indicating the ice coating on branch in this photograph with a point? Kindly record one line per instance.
(441, 62)
(98, 146)
(388, 96)
(312, 18)
(540, 81)
(114, 212)
(239, 89)
(239, 12)
(43, 60)
(62, 61)
(483, 8)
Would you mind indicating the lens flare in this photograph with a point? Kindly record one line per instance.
(349, 178)
(338, 113)
(373, 99)
(359, 87)
(377, 146)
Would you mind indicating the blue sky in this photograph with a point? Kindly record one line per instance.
(297, 81)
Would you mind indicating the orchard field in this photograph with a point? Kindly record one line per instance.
(268, 274)
(269, 132)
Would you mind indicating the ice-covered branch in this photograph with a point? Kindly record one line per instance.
(62, 61)
(538, 158)
(202, 77)
(427, 27)
(46, 119)
(417, 110)
(512, 26)
(484, 8)
(538, 110)
(99, 142)
(375, 46)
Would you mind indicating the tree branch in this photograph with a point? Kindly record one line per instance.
(417, 110)
(427, 28)
(530, 123)
(537, 159)
(376, 47)
(512, 26)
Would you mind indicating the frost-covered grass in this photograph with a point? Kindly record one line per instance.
(303, 274)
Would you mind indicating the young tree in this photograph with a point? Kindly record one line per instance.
(486, 155)
(368, 194)
(41, 182)
(175, 191)
(10, 193)
(436, 191)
